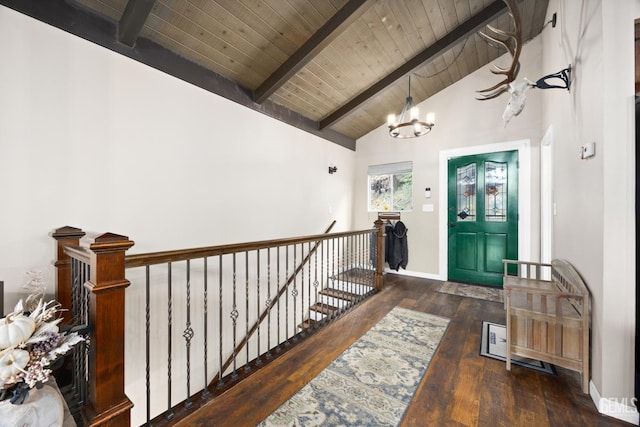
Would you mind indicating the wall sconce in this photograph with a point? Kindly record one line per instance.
(333, 169)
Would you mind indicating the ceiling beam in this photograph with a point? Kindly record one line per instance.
(318, 41)
(461, 32)
(133, 18)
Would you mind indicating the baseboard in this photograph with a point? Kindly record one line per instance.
(621, 408)
(414, 274)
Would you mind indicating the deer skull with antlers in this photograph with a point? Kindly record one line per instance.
(512, 42)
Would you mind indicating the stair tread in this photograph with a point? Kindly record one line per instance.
(323, 308)
(337, 293)
(360, 276)
(307, 324)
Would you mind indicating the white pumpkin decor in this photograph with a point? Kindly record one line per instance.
(12, 362)
(15, 329)
(30, 342)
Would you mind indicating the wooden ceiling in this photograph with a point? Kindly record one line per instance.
(339, 66)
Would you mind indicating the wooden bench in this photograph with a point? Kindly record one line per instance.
(548, 315)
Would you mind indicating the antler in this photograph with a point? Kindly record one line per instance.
(512, 42)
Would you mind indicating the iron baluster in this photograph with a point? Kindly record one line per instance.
(286, 299)
(188, 335)
(234, 318)
(147, 298)
(205, 392)
(278, 349)
(247, 368)
(169, 413)
(294, 294)
(220, 381)
(258, 360)
(268, 303)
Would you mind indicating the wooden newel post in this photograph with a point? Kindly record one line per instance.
(379, 224)
(108, 405)
(65, 236)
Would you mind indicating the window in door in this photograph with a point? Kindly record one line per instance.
(466, 192)
(495, 204)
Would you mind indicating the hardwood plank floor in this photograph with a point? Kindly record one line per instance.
(460, 388)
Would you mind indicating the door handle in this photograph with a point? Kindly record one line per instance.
(452, 224)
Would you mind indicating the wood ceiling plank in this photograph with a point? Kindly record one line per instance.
(317, 42)
(386, 46)
(227, 23)
(427, 79)
(195, 50)
(246, 20)
(407, 46)
(470, 53)
(459, 58)
(432, 51)
(198, 43)
(482, 47)
(449, 58)
(222, 38)
(370, 49)
(267, 17)
(325, 68)
(326, 8)
(318, 101)
(292, 17)
(449, 14)
(308, 13)
(353, 70)
(436, 19)
(442, 70)
(132, 20)
(418, 34)
(317, 80)
(463, 10)
(312, 88)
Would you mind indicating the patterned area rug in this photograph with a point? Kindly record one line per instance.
(373, 381)
(472, 291)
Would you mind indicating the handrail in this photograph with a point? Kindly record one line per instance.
(152, 258)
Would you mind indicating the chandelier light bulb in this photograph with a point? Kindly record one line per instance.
(431, 119)
(414, 113)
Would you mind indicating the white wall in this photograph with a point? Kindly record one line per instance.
(594, 227)
(92, 139)
(461, 122)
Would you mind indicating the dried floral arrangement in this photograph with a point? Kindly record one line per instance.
(31, 341)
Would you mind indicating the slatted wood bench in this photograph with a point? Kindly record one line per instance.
(548, 315)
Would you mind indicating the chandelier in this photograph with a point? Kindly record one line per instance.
(412, 126)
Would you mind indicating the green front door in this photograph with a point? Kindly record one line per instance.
(482, 216)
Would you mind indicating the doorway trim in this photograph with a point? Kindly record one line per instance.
(524, 195)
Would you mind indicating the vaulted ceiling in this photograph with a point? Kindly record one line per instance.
(335, 68)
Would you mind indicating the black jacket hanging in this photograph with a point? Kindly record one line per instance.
(397, 253)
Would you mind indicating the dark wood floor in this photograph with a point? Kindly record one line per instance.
(460, 388)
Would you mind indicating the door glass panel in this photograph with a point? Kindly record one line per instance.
(495, 204)
(466, 192)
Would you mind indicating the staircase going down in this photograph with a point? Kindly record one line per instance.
(342, 292)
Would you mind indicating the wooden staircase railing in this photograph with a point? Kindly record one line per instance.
(93, 268)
